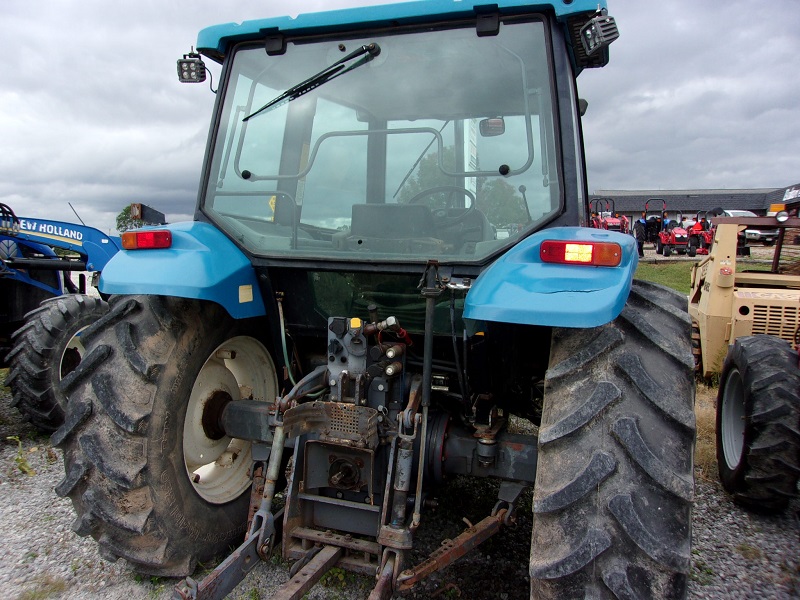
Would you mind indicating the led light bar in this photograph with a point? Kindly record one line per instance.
(147, 240)
(595, 254)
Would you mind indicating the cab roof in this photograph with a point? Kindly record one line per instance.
(215, 41)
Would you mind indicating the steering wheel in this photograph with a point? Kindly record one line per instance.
(441, 214)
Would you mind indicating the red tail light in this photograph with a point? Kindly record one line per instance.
(147, 240)
(597, 254)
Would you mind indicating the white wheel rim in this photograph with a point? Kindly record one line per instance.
(218, 469)
(732, 421)
(73, 344)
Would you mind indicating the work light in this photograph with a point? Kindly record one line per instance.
(191, 68)
(598, 32)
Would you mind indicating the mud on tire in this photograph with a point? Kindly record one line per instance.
(614, 484)
(131, 426)
(45, 350)
(758, 423)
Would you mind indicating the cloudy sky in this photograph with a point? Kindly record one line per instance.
(697, 95)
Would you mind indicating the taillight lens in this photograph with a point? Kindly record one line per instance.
(597, 254)
(147, 240)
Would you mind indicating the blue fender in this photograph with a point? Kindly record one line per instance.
(520, 288)
(201, 263)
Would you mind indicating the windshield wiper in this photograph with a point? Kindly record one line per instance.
(367, 52)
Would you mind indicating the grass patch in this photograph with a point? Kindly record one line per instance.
(336, 577)
(674, 274)
(701, 572)
(20, 459)
(44, 586)
(749, 552)
(337, 580)
(677, 273)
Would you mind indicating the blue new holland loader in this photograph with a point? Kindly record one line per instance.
(388, 262)
(42, 311)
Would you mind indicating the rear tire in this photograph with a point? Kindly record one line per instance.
(614, 482)
(150, 479)
(697, 351)
(46, 349)
(758, 423)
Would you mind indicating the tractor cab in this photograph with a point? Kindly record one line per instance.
(391, 144)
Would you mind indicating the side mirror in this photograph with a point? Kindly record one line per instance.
(492, 127)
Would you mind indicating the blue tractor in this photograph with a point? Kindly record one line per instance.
(42, 311)
(388, 262)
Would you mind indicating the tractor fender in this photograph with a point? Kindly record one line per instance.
(202, 263)
(520, 288)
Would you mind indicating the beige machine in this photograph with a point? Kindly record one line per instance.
(762, 297)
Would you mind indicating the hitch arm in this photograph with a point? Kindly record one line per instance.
(230, 572)
(311, 573)
(450, 552)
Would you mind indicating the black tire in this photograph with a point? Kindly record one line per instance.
(659, 247)
(46, 349)
(134, 399)
(692, 251)
(758, 423)
(667, 250)
(697, 351)
(614, 482)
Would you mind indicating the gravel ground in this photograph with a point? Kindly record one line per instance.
(736, 554)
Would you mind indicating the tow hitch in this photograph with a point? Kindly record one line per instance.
(366, 449)
(321, 557)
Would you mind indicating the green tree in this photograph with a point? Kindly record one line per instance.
(497, 199)
(501, 204)
(125, 222)
(428, 175)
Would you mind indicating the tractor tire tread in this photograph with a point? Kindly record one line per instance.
(114, 458)
(616, 437)
(35, 359)
(767, 476)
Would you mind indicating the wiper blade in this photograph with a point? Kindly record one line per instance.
(367, 52)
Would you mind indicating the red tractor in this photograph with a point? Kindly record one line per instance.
(673, 237)
(606, 217)
(701, 233)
